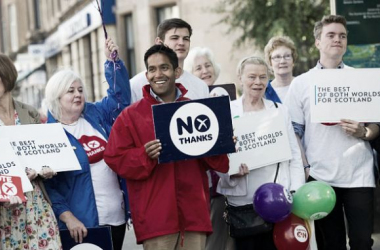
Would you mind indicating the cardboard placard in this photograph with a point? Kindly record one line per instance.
(11, 166)
(337, 94)
(10, 186)
(38, 145)
(97, 238)
(262, 139)
(193, 129)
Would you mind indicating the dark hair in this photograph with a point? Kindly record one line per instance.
(8, 72)
(328, 20)
(172, 23)
(162, 49)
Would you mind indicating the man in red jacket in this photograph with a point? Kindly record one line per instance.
(169, 202)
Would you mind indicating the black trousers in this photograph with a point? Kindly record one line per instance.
(263, 241)
(118, 233)
(357, 204)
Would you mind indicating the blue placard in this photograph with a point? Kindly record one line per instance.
(98, 236)
(193, 129)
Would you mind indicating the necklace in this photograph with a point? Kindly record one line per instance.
(71, 124)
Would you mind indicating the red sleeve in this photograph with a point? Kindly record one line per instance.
(125, 154)
(218, 163)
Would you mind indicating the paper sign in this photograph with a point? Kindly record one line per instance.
(10, 165)
(97, 238)
(40, 145)
(337, 94)
(262, 139)
(10, 186)
(193, 129)
(228, 89)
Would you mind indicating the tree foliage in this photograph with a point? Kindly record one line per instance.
(259, 20)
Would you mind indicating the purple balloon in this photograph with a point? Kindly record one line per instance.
(272, 202)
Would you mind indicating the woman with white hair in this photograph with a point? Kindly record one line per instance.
(240, 188)
(91, 196)
(201, 63)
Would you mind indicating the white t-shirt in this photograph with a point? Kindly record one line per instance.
(108, 196)
(281, 92)
(197, 89)
(335, 157)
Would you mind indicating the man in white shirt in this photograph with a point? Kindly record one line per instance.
(338, 154)
(174, 33)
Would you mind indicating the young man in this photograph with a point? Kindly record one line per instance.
(169, 202)
(175, 33)
(338, 154)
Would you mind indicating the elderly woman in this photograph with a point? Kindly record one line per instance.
(280, 54)
(91, 196)
(201, 63)
(32, 224)
(240, 188)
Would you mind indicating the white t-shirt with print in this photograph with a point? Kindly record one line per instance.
(108, 196)
(335, 157)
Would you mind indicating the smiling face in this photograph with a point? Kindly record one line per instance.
(161, 76)
(333, 42)
(204, 70)
(72, 102)
(254, 79)
(282, 61)
(178, 39)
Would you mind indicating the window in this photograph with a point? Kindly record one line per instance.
(166, 12)
(13, 27)
(130, 39)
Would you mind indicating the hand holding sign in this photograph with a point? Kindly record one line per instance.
(153, 149)
(353, 128)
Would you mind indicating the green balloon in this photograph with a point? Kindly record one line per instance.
(314, 200)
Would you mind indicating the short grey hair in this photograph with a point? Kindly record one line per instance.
(197, 52)
(57, 86)
(255, 60)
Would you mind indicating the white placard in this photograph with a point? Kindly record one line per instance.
(337, 94)
(10, 165)
(262, 139)
(38, 145)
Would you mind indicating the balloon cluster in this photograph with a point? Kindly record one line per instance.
(273, 202)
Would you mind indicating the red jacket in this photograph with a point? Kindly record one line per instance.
(164, 198)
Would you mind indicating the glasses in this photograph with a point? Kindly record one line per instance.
(278, 57)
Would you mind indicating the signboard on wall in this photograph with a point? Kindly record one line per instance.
(363, 20)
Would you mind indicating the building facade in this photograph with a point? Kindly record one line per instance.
(42, 36)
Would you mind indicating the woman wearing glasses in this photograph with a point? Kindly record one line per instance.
(280, 55)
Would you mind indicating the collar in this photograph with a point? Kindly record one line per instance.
(320, 66)
(177, 95)
(147, 94)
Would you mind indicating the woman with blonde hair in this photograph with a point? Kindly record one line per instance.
(281, 55)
